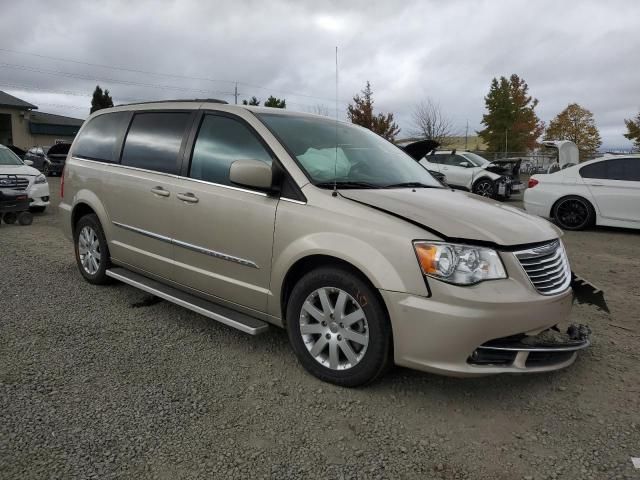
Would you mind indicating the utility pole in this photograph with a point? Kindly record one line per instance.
(506, 141)
(235, 93)
(466, 135)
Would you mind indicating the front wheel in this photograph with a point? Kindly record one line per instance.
(484, 187)
(91, 249)
(46, 170)
(338, 327)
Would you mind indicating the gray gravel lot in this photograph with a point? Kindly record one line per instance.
(92, 385)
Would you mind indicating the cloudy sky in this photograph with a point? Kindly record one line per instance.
(53, 53)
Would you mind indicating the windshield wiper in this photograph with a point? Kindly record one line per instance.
(347, 184)
(410, 185)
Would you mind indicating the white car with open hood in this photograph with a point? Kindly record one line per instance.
(18, 175)
(603, 191)
(469, 171)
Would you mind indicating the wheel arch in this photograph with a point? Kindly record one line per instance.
(310, 262)
(86, 202)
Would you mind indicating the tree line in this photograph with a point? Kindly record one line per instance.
(510, 121)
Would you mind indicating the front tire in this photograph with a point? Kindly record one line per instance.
(574, 213)
(91, 249)
(46, 170)
(338, 327)
(485, 188)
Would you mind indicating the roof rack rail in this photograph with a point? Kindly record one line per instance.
(210, 100)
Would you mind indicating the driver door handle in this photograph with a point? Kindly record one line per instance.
(187, 197)
(160, 191)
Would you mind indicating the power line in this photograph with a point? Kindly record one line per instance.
(169, 75)
(93, 78)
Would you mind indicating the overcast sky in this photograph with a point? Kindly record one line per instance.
(567, 51)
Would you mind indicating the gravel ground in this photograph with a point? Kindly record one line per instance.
(99, 382)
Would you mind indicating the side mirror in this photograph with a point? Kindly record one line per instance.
(252, 173)
(465, 164)
(28, 163)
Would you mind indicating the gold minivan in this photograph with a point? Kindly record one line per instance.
(258, 216)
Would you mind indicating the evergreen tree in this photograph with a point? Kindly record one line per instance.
(100, 100)
(510, 122)
(633, 131)
(253, 101)
(275, 102)
(361, 113)
(576, 123)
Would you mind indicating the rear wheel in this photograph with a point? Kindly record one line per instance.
(338, 327)
(573, 213)
(484, 187)
(10, 218)
(91, 249)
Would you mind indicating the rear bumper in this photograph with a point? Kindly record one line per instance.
(536, 204)
(441, 336)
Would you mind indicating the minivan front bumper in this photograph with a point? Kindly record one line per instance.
(443, 333)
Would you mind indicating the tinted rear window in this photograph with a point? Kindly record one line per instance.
(154, 141)
(100, 138)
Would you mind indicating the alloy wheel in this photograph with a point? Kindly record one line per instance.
(89, 250)
(572, 213)
(334, 328)
(484, 189)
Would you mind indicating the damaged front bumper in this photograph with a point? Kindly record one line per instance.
(550, 348)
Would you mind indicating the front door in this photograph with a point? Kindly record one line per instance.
(224, 234)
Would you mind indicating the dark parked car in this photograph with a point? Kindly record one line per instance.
(49, 160)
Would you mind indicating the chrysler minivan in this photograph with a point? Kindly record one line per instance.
(259, 217)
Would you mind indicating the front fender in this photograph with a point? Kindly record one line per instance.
(363, 256)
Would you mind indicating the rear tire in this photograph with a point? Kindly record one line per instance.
(92, 250)
(25, 218)
(574, 213)
(10, 218)
(338, 327)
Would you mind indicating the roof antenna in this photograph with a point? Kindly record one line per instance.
(335, 165)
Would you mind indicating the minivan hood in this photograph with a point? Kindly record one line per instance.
(18, 170)
(457, 215)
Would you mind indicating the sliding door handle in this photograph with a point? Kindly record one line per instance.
(187, 197)
(160, 191)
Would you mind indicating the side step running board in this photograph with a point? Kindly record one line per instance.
(240, 321)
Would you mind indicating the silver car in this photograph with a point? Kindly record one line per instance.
(259, 217)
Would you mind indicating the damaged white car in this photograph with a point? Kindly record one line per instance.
(468, 171)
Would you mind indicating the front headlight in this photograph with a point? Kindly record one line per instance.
(458, 264)
(41, 179)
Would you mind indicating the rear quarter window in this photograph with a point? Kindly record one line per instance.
(100, 138)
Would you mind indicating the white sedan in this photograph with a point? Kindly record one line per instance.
(603, 191)
(18, 175)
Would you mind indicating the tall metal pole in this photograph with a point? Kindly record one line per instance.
(235, 93)
(466, 135)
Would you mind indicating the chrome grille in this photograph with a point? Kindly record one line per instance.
(547, 267)
(14, 182)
